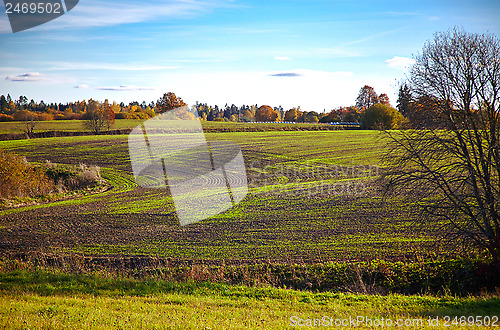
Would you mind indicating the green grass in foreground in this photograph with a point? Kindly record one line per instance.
(54, 300)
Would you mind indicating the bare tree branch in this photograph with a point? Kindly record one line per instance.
(454, 167)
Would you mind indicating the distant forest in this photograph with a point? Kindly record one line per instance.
(370, 109)
(22, 110)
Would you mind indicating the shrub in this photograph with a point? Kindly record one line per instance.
(74, 116)
(69, 177)
(4, 117)
(20, 179)
(381, 116)
(24, 115)
(59, 116)
(44, 116)
(89, 175)
(134, 115)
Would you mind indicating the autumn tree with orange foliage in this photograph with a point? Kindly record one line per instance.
(169, 101)
(109, 114)
(384, 99)
(265, 113)
(366, 97)
(292, 115)
(95, 117)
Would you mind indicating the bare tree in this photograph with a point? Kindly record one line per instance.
(454, 169)
(30, 123)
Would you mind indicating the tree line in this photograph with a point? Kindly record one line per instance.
(381, 116)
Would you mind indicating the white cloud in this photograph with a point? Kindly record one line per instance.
(31, 76)
(400, 62)
(311, 89)
(82, 86)
(282, 58)
(123, 88)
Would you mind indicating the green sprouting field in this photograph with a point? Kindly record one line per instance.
(312, 197)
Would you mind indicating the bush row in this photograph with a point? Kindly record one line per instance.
(451, 276)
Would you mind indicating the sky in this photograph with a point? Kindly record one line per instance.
(315, 54)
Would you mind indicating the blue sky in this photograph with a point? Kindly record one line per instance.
(316, 54)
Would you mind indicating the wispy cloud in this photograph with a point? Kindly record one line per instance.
(105, 66)
(31, 76)
(332, 52)
(124, 88)
(399, 13)
(400, 62)
(38, 77)
(374, 36)
(311, 73)
(11, 68)
(95, 13)
(282, 58)
(82, 86)
(233, 30)
(4, 24)
(286, 74)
